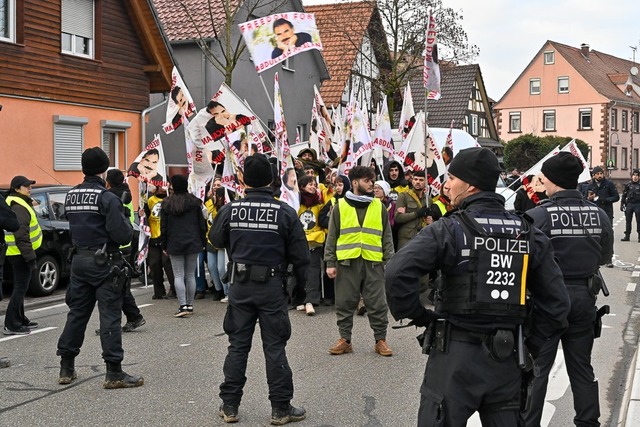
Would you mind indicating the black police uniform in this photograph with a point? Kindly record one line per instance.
(96, 217)
(262, 236)
(488, 258)
(582, 239)
(606, 193)
(630, 204)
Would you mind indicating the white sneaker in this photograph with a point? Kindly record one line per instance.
(225, 299)
(308, 307)
(300, 307)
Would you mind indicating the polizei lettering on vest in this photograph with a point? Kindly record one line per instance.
(575, 219)
(492, 244)
(265, 215)
(77, 198)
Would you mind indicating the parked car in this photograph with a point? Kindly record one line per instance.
(56, 240)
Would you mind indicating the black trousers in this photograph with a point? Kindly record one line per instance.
(577, 343)
(89, 284)
(15, 317)
(158, 264)
(465, 380)
(631, 209)
(266, 303)
(129, 306)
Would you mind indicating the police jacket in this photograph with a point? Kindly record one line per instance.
(260, 230)
(445, 246)
(96, 216)
(606, 193)
(631, 193)
(8, 221)
(580, 233)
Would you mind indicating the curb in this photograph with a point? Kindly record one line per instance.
(628, 391)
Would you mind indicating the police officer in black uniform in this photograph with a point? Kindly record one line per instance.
(630, 204)
(98, 227)
(489, 259)
(582, 239)
(262, 236)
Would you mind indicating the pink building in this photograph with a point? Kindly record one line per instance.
(582, 93)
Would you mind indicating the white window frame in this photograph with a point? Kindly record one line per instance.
(614, 119)
(11, 21)
(473, 124)
(549, 114)
(635, 117)
(532, 86)
(561, 87)
(585, 112)
(76, 39)
(624, 118)
(513, 116)
(549, 57)
(624, 158)
(68, 142)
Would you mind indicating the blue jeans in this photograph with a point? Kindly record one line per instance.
(217, 269)
(201, 277)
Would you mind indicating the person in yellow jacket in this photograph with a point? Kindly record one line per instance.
(311, 203)
(21, 252)
(158, 262)
(358, 245)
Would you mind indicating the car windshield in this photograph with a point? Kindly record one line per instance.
(57, 206)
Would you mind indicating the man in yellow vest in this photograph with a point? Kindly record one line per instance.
(358, 245)
(21, 252)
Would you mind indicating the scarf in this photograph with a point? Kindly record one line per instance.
(357, 198)
(310, 199)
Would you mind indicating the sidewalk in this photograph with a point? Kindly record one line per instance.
(630, 410)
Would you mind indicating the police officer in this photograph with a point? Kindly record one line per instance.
(488, 258)
(98, 227)
(630, 204)
(582, 238)
(262, 236)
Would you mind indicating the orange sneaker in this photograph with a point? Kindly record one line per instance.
(383, 349)
(341, 347)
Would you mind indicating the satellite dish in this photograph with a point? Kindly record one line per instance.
(634, 71)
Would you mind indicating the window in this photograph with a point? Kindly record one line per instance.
(549, 120)
(624, 159)
(78, 27)
(514, 122)
(614, 119)
(114, 141)
(549, 57)
(614, 156)
(563, 84)
(634, 122)
(534, 86)
(585, 119)
(7, 20)
(635, 159)
(625, 121)
(68, 142)
(473, 124)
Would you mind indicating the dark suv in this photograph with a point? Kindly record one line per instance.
(56, 239)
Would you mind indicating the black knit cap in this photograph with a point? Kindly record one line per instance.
(94, 161)
(257, 171)
(597, 169)
(563, 170)
(476, 166)
(179, 183)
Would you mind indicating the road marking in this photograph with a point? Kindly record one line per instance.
(635, 274)
(144, 305)
(33, 331)
(631, 287)
(48, 307)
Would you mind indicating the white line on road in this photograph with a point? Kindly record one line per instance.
(48, 307)
(144, 305)
(631, 287)
(33, 331)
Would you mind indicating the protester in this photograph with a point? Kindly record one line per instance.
(412, 212)
(216, 256)
(394, 175)
(157, 260)
(8, 222)
(529, 194)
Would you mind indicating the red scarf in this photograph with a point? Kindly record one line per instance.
(310, 199)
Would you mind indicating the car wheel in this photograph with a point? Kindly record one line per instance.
(46, 278)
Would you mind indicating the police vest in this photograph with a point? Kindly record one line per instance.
(35, 233)
(309, 218)
(86, 221)
(155, 206)
(495, 282)
(356, 240)
(633, 192)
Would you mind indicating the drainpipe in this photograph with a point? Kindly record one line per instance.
(143, 127)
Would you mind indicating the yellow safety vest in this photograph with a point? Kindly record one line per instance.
(154, 217)
(356, 240)
(316, 233)
(35, 233)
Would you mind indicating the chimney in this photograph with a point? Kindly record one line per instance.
(584, 48)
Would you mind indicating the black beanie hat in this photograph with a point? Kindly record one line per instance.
(257, 171)
(563, 170)
(94, 161)
(476, 166)
(179, 183)
(597, 169)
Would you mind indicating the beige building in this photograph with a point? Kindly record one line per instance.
(581, 93)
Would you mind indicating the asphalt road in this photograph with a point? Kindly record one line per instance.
(181, 360)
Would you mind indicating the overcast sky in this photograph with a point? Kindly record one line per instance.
(510, 32)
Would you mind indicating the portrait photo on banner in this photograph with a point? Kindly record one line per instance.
(274, 38)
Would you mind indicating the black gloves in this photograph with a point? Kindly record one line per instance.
(423, 211)
(33, 265)
(426, 318)
(623, 207)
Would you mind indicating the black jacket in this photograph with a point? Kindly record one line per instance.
(8, 219)
(182, 225)
(606, 193)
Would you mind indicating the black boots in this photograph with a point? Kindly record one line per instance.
(116, 378)
(229, 413)
(67, 370)
(290, 414)
(625, 238)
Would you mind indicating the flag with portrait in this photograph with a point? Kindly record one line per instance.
(180, 105)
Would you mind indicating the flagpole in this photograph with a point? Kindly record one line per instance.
(265, 89)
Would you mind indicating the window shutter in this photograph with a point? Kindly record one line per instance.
(67, 146)
(77, 17)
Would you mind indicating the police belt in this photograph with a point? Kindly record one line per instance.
(115, 256)
(244, 273)
(464, 335)
(583, 281)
